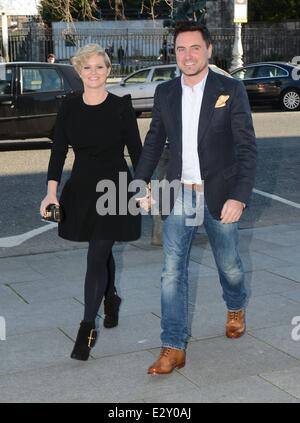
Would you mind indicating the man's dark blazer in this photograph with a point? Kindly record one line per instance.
(226, 140)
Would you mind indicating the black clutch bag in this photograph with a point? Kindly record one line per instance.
(54, 213)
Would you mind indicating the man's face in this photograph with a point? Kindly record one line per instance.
(192, 53)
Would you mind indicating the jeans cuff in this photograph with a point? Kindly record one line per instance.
(238, 309)
(173, 347)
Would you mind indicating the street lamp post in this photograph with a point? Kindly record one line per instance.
(4, 37)
(237, 51)
(240, 16)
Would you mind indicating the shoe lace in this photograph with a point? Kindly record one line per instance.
(165, 352)
(233, 315)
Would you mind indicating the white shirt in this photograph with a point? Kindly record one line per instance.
(191, 107)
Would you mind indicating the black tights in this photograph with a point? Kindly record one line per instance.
(100, 277)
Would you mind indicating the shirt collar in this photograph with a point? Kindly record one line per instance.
(196, 88)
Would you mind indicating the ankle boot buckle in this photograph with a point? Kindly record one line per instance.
(91, 338)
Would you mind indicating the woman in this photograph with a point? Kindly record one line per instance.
(97, 125)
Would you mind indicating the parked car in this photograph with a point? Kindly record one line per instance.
(141, 84)
(30, 96)
(271, 83)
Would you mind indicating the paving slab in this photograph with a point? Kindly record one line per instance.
(114, 379)
(142, 276)
(220, 360)
(270, 310)
(43, 290)
(33, 351)
(288, 380)
(134, 333)
(291, 272)
(10, 301)
(251, 389)
(281, 338)
(16, 269)
(290, 254)
(140, 301)
(41, 316)
(251, 260)
(293, 295)
(208, 319)
(262, 282)
(282, 235)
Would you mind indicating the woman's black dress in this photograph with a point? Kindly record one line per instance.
(98, 135)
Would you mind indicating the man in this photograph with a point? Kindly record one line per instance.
(51, 58)
(110, 51)
(207, 120)
(121, 54)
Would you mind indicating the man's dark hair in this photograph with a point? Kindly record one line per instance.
(51, 55)
(191, 26)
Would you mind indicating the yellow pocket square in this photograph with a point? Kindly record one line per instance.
(221, 102)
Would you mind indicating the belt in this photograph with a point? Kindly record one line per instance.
(195, 187)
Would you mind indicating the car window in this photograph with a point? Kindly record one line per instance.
(40, 80)
(245, 73)
(269, 71)
(164, 74)
(138, 77)
(5, 80)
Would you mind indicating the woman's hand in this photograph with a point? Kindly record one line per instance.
(49, 199)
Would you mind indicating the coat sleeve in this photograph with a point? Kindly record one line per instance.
(131, 132)
(59, 149)
(245, 145)
(154, 142)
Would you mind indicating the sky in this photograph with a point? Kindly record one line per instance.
(19, 7)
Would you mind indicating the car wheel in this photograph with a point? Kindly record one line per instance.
(290, 100)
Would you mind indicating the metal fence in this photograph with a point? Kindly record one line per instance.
(143, 49)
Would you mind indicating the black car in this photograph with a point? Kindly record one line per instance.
(271, 83)
(30, 96)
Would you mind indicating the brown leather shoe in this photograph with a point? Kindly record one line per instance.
(235, 326)
(169, 359)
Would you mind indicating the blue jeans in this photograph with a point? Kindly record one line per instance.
(177, 242)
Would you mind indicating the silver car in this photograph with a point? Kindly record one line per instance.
(141, 84)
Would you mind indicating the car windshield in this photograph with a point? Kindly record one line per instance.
(164, 74)
(138, 77)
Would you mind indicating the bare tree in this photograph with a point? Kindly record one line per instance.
(151, 8)
(118, 7)
(68, 10)
(170, 3)
(87, 9)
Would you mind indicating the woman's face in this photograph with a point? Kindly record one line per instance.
(94, 72)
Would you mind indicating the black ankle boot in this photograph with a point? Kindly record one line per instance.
(86, 339)
(111, 311)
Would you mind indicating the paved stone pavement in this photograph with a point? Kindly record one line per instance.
(41, 300)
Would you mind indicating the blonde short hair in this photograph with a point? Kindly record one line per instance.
(83, 53)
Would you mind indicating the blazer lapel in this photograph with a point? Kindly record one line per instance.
(175, 107)
(211, 93)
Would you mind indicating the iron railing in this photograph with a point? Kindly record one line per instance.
(144, 49)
